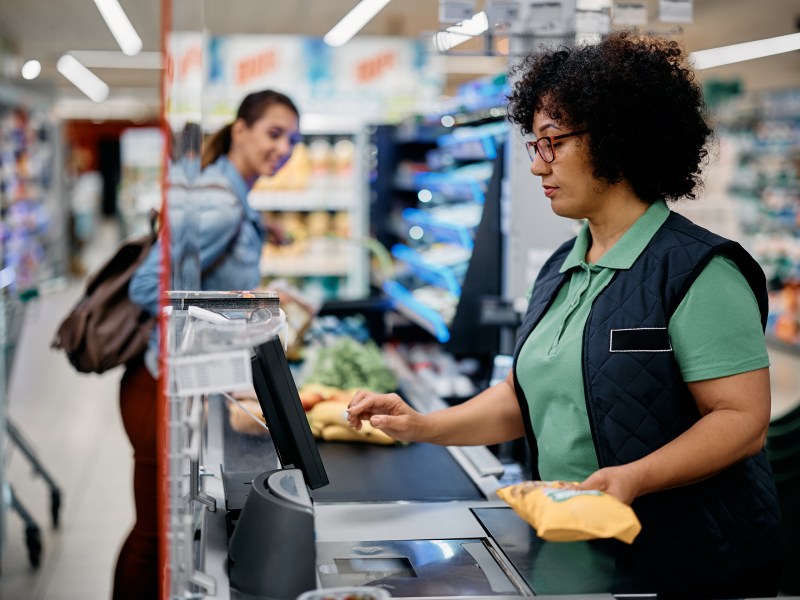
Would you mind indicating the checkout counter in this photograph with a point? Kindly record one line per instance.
(418, 520)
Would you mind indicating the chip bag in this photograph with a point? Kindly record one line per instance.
(559, 512)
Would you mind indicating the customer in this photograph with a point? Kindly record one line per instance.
(228, 236)
(640, 367)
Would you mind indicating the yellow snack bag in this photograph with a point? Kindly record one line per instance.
(559, 512)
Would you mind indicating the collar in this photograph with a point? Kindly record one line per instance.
(627, 249)
(239, 184)
(240, 187)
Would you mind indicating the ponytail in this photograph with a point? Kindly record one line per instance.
(217, 145)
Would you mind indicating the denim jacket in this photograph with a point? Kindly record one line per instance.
(209, 220)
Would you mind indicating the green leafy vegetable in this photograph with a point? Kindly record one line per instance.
(347, 364)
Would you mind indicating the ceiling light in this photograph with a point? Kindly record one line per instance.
(31, 69)
(725, 55)
(82, 78)
(122, 30)
(113, 59)
(352, 22)
(472, 27)
(458, 34)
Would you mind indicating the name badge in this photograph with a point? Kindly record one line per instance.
(644, 339)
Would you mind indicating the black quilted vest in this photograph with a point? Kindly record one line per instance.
(694, 537)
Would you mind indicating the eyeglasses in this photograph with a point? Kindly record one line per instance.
(545, 145)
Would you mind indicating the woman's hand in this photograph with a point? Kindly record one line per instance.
(621, 482)
(276, 234)
(387, 412)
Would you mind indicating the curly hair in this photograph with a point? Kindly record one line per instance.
(639, 100)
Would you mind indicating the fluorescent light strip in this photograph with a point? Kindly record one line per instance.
(122, 30)
(458, 34)
(82, 78)
(112, 59)
(725, 55)
(352, 22)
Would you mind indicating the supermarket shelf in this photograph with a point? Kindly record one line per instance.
(303, 200)
(484, 148)
(416, 133)
(307, 265)
(438, 275)
(440, 229)
(474, 143)
(475, 116)
(452, 185)
(421, 314)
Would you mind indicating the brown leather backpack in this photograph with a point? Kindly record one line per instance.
(106, 329)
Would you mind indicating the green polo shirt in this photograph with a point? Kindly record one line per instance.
(705, 344)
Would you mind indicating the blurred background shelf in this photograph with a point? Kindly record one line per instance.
(304, 200)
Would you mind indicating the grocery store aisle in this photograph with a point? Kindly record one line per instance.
(72, 422)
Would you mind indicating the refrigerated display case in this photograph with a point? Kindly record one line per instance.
(432, 185)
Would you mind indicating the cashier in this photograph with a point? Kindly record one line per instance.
(641, 367)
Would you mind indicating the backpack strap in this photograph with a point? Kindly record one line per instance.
(224, 254)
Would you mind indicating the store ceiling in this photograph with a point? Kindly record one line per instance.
(44, 29)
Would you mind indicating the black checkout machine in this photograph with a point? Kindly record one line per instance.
(281, 544)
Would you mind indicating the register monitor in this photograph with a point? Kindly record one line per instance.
(278, 507)
(286, 419)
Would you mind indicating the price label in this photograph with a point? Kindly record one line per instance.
(212, 373)
(587, 21)
(630, 13)
(675, 11)
(455, 11)
(498, 11)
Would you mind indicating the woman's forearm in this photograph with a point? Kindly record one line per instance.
(717, 441)
(491, 417)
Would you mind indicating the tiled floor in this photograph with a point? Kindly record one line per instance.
(73, 423)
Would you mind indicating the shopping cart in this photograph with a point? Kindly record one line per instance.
(11, 319)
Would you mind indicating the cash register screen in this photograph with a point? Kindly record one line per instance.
(286, 419)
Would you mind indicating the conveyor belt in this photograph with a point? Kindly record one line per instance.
(415, 473)
(363, 472)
